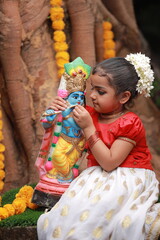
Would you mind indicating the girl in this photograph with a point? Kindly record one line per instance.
(115, 197)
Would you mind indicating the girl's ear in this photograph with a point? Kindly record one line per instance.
(125, 97)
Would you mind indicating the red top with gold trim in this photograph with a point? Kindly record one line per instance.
(130, 126)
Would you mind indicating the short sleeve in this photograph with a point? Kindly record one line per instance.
(132, 128)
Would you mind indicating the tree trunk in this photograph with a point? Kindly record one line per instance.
(28, 79)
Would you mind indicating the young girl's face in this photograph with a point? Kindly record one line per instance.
(103, 95)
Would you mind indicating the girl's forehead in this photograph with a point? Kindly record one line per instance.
(99, 80)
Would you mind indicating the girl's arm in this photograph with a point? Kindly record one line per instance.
(108, 159)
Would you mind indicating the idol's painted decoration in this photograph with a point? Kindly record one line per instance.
(63, 142)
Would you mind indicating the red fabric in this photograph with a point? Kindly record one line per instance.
(129, 125)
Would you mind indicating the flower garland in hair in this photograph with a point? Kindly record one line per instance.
(2, 149)
(19, 204)
(60, 46)
(108, 42)
(142, 66)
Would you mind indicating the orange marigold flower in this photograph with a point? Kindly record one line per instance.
(1, 157)
(107, 25)
(3, 213)
(31, 205)
(108, 35)
(109, 53)
(2, 174)
(25, 192)
(62, 54)
(2, 147)
(1, 124)
(0, 113)
(60, 72)
(56, 2)
(10, 209)
(60, 62)
(59, 36)
(109, 44)
(1, 185)
(1, 165)
(58, 25)
(19, 205)
(1, 135)
(56, 13)
(60, 46)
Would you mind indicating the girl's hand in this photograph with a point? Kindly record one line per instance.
(58, 104)
(83, 119)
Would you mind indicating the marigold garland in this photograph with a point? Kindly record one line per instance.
(59, 37)
(20, 203)
(108, 42)
(2, 149)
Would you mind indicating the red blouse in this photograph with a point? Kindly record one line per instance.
(130, 126)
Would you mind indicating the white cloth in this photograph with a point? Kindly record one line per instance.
(118, 205)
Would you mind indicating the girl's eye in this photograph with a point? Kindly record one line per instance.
(101, 92)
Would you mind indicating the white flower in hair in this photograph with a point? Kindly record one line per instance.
(144, 71)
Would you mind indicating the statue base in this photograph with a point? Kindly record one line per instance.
(44, 199)
(48, 191)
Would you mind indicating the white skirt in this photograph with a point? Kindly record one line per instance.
(118, 205)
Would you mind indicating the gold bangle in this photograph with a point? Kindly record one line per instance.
(93, 139)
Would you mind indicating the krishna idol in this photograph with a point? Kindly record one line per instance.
(63, 141)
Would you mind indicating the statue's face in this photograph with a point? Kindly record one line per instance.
(76, 98)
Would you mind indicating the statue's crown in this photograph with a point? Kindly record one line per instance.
(74, 78)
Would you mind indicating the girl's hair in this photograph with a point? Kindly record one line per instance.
(120, 74)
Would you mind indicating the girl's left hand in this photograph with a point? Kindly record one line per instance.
(82, 117)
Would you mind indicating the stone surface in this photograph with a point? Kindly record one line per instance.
(43, 199)
(18, 233)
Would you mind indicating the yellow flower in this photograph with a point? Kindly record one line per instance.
(1, 165)
(59, 36)
(56, 2)
(60, 72)
(2, 147)
(1, 124)
(3, 213)
(19, 205)
(1, 157)
(56, 13)
(108, 35)
(1, 185)
(62, 54)
(58, 25)
(109, 53)
(1, 135)
(107, 25)
(60, 46)
(25, 192)
(31, 205)
(2, 174)
(61, 62)
(10, 209)
(109, 44)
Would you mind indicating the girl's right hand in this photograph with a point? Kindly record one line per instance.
(58, 104)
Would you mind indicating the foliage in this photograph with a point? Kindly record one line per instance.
(27, 218)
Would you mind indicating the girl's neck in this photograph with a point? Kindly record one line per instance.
(110, 117)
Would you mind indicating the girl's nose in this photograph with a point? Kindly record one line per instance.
(93, 95)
